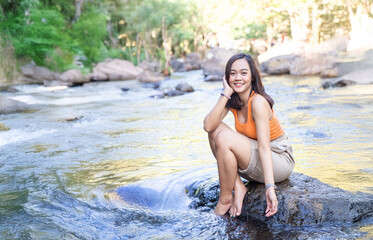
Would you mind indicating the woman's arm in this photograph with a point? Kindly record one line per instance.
(262, 114)
(218, 113)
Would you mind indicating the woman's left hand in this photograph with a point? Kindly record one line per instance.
(271, 199)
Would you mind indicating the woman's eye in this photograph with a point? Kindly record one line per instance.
(244, 73)
(232, 73)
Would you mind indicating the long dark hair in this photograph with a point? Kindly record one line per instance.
(256, 84)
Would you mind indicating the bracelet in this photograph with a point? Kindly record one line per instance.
(271, 185)
(222, 94)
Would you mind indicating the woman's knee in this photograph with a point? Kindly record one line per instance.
(222, 138)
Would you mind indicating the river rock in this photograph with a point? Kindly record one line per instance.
(114, 69)
(363, 76)
(74, 77)
(330, 73)
(313, 63)
(279, 64)
(151, 66)
(11, 106)
(184, 87)
(302, 201)
(192, 61)
(36, 74)
(215, 61)
(3, 127)
(148, 76)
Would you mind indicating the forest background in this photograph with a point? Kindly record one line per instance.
(77, 34)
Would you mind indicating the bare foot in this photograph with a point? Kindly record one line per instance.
(223, 206)
(239, 194)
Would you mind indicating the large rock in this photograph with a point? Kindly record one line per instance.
(150, 77)
(313, 62)
(363, 76)
(11, 106)
(302, 201)
(279, 64)
(215, 62)
(74, 77)
(192, 61)
(36, 74)
(114, 69)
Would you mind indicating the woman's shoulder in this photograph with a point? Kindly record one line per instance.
(259, 103)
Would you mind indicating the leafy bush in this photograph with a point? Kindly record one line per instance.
(89, 32)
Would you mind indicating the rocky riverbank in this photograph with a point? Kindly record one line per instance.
(302, 201)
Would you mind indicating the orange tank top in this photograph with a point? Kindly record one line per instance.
(248, 129)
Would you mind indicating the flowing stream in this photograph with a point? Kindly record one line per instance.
(63, 164)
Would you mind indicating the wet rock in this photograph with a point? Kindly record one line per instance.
(37, 75)
(113, 70)
(154, 85)
(330, 73)
(184, 87)
(363, 76)
(74, 77)
(192, 61)
(8, 89)
(151, 66)
(12, 106)
(3, 127)
(173, 93)
(279, 64)
(149, 77)
(125, 89)
(302, 201)
(314, 62)
(212, 78)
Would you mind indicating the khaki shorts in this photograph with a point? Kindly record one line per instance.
(283, 161)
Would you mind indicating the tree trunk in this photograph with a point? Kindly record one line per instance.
(78, 9)
(113, 40)
(167, 44)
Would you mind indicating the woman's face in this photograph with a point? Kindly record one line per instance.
(240, 76)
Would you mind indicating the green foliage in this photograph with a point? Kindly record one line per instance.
(37, 34)
(253, 30)
(90, 32)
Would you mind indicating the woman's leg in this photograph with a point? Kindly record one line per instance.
(232, 150)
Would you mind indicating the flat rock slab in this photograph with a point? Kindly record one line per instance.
(11, 106)
(302, 201)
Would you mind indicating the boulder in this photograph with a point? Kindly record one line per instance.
(11, 106)
(279, 64)
(313, 62)
(330, 73)
(151, 66)
(36, 74)
(177, 64)
(215, 61)
(113, 70)
(302, 201)
(363, 76)
(192, 61)
(148, 76)
(184, 87)
(74, 77)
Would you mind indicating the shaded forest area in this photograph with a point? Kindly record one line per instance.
(77, 34)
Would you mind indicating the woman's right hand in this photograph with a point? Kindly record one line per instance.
(228, 91)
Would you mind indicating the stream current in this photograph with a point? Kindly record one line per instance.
(62, 163)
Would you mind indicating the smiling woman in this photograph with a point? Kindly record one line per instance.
(259, 150)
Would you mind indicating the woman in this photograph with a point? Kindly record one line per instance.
(258, 150)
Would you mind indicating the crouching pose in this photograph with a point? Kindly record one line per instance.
(258, 150)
